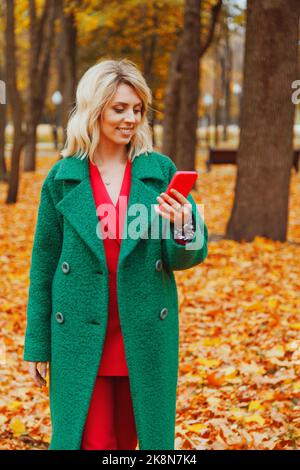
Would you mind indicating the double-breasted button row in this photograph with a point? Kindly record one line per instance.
(163, 314)
(65, 267)
(59, 317)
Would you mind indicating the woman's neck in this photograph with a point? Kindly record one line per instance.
(104, 155)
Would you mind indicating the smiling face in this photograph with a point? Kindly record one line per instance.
(121, 116)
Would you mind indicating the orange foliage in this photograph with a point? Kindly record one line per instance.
(239, 385)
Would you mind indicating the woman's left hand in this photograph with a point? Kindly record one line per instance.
(177, 212)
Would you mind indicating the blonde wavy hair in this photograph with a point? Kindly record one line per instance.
(95, 89)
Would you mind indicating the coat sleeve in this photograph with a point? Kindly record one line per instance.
(45, 254)
(179, 256)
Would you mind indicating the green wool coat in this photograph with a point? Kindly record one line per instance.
(67, 308)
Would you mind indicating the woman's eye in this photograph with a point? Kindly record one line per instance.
(121, 110)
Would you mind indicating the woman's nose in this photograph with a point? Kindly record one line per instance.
(130, 117)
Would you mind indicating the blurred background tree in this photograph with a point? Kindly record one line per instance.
(191, 53)
(265, 155)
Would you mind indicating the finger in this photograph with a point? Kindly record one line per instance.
(164, 206)
(179, 196)
(32, 369)
(171, 201)
(43, 369)
(180, 213)
(163, 203)
(34, 373)
(170, 206)
(165, 215)
(184, 216)
(39, 379)
(187, 211)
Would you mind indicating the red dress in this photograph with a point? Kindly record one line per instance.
(113, 361)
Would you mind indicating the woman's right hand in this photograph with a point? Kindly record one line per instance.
(38, 376)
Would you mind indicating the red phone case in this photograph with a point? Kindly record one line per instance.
(183, 182)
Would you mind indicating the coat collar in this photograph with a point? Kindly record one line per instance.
(143, 166)
(78, 205)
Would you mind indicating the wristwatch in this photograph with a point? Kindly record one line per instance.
(186, 232)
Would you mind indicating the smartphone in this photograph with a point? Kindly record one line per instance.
(182, 181)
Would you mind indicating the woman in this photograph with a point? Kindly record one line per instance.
(103, 307)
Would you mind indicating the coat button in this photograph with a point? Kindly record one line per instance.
(158, 265)
(65, 267)
(163, 313)
(59, 317)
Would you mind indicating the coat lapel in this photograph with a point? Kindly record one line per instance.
(78, 205)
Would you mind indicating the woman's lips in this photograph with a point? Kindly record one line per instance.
(125, 131)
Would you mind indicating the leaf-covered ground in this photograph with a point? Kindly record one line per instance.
(239, 382)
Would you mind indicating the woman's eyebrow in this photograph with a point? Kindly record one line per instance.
(121, 102)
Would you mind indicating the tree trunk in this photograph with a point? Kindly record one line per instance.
(149, 46)
(67, 64)
(227, 82)
(15, 103)
(181, 99)
(18, 144)
(172, 105)
(3, 169)
(189, 88)
(265, 153)
(41, 39)
(217, 92)
(148, 50)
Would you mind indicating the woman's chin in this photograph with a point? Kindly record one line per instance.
(123, 139)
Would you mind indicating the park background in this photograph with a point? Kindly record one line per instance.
(225, 81)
